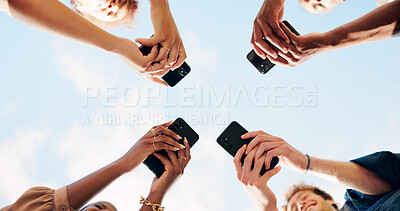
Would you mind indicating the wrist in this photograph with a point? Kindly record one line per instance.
(331, 40)
(156, 197)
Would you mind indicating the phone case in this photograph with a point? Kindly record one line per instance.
(180, 127)
(231, 141)
(172, 77)
(264, 65)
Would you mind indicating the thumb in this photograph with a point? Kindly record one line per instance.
(153, 53)
(148, 41)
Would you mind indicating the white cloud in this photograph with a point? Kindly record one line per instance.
(200, 55)
(82, 68)
(9, 109)
(18, 157)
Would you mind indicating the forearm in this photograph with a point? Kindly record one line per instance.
(349, 174)
(379, 24)
(81, 191)
(54, 17)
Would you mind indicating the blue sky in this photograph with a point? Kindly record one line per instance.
(347, 104)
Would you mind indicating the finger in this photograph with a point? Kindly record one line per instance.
(152, 41)
(168, 140)
(265, 147)
(238, 163)
(278, 31)
(163, 146)
(173, 53)
(270, 36)
(264, 179)
(247, 164)
(289, 33)
(163, 159)
(181, 157)
(181, 58)
(259, 139)
(258, 50)
(173, 158)
(187, 149)
(260, 42)
(163, 52)
(257, 169)
(291, 60)
(160, 130)
(167, 124)
(252, 134)
(154, 69)
(279, 60)
(270, 154)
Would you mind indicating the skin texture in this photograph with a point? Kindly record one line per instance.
(81, 191)
(307, 200)
(265, 146)
(54, 17)
(253, 183)
(379, 24)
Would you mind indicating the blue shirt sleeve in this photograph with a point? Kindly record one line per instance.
(386, 164)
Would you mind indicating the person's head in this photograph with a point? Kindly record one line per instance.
(101, 205)
(106, 13)
(306, 197)
(319, 6)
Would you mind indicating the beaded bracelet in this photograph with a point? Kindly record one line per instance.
(308, 163)
(156, 207)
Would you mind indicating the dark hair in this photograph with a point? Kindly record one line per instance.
(288, 194)
(126, 22)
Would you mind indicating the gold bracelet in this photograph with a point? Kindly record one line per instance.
(156, 207)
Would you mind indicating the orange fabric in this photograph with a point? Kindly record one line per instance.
(42, 199)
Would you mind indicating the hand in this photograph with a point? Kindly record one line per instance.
(301, 48)
(266, 25)
(162, 138)
(251, 180)
(129, 52)
(174, 168)
(166, 33)
(271, 146)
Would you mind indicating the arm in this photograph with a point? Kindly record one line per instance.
(172, 54)
(350, 174)
(86, 188)
(347, 173)
(174, 167)
(251, 180)
(54, 17)
(379, 24)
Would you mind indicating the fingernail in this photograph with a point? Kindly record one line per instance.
(182, 146)
(179, 136)
(176, 148)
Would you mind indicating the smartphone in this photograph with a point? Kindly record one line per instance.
(264, 65)
(231, 141)
(172, 77)
(180, 127)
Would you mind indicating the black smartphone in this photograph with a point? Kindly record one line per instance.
(231, 141)
(180, 127)
(172, 77)
(264, 65)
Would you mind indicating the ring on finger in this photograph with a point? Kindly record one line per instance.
(154, 146)
(152, 73)
(153, 131)
(167, 48)
(182, 158)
